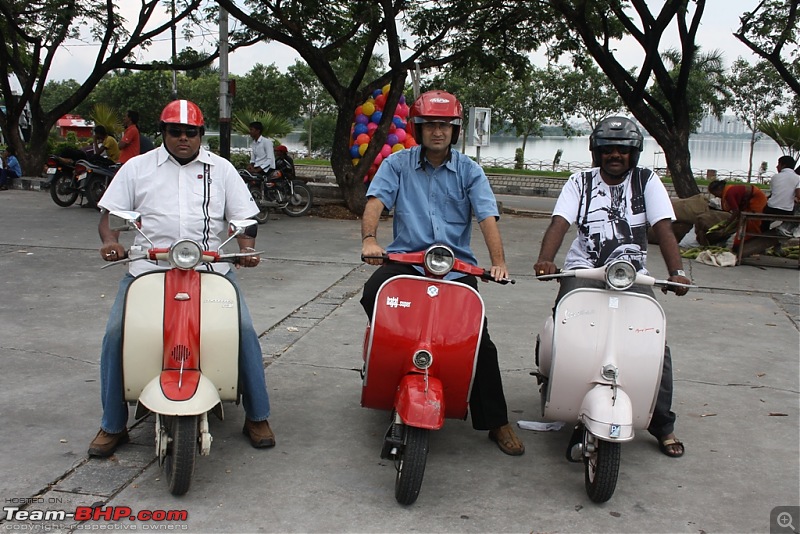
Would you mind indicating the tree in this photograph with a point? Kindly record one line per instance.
(771, 32)
(266, 88)
(315, 102)
(599, 24)
(784, 130)
(588, 93)
(145, 92)
(756, 92)
(434, 33)
(33, 32)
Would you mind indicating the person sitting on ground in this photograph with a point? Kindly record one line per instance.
(784, 191)
(736, 199)
(105, 145)
(262, 160)
(11, 168)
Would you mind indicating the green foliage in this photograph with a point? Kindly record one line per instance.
(323, 131)
(785, 131)
(266, 88)
(240, 160)
(146, 92)
(274, 127)
(213, 143)
(108, 117)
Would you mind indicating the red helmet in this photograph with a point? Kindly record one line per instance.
(436, 106)
(281, 148)
(182, 112)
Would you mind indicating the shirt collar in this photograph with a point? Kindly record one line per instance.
(164, 156)
(421, 160)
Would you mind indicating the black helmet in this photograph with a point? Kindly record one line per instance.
(616, 131)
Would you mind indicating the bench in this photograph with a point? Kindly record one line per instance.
(746, 216)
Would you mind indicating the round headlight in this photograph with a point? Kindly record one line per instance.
(439, 259)
(620, 274)
(422, 359)
(185, 254)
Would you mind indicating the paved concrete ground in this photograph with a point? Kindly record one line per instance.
(735, 351)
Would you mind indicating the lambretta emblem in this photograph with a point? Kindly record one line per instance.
(395, 302)
(433, 291)
(440, 100)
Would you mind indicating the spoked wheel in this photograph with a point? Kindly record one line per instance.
(263, 215)
(181, 452)
(601, 468)
(62, 192)
(300, 202)
(411, 465)
(95, 190)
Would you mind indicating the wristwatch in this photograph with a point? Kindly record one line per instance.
(679, 272)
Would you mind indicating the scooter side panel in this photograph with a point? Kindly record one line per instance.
(142, 342)
(414, 313)
(420, 403)
(219, 334)
(596, 327)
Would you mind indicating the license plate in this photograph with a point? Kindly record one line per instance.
(82, 177)
(51, 170)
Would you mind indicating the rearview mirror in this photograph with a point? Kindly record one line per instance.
(122, 221)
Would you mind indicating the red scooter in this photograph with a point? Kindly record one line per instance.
(420, 352)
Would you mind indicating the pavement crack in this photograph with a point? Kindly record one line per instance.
(737, 384)
(45, 353)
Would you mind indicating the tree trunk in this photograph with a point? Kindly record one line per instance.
(750, 160)
(680, 168)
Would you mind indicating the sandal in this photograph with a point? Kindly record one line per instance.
(668, 447)
(507, 440)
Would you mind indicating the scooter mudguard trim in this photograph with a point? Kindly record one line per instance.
(607, 417)
(414, 313)
(204, 399)
(420, 404)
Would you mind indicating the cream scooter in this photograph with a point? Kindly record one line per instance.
(180, 345)
(600, 358)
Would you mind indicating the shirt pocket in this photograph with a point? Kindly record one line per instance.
(457, 210)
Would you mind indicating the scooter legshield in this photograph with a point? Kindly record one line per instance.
(597, 327)
(414, 313)
(420, 403)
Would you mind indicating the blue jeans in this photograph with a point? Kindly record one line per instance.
(251, 365)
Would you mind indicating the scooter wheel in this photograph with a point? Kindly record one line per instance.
(602, 469)
(411, 465)
(181, 452)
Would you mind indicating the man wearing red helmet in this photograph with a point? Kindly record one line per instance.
(434, 192)
(182, 192)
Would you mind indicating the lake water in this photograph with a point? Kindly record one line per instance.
(727, 156)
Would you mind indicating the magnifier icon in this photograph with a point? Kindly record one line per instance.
(785, 520)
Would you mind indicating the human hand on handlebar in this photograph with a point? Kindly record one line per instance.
(679, 291)
(542, 267)
(499, 272)
(112, 252)
(370, 247)
(247, 261)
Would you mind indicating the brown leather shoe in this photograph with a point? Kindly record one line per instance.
(259, 433)
(507, 440)
(104, 444)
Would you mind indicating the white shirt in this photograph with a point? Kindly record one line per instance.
(611, 228)
(179, 201)
(263, 154)
(782, 187)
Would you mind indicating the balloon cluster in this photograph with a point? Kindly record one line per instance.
(367, 117)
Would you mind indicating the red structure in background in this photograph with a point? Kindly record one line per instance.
(74, 123)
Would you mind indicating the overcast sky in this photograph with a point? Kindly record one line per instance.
(720, 19)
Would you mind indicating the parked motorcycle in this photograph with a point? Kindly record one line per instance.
(420, 351)
(60, 172)
(600, 359)
(94, 176)
(180, 349)
(273, 190)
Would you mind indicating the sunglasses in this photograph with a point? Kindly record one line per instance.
(624, 150)
(175, 131)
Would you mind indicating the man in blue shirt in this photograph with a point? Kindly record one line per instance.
(11, 168)
(262, 159)
(434, 192)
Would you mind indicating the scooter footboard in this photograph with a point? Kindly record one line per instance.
(420, 402)
(607, 417)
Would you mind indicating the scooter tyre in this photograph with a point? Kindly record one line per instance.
(602, 469)
(262, 216)
(62, 192)
(411, 465)
(181, 452)
(300, 202)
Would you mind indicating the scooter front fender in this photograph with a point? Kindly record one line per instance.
(205, 398)
(420, 403)
(607, 417)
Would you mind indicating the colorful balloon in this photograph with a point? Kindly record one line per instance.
(368, 108)
(400, 134)
(376, 117)
(397, 148)
(362, 148)
(386, 150)
(392, 139)
(362, 139)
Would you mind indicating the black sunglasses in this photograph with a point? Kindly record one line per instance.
(611, 149)
(175, 131)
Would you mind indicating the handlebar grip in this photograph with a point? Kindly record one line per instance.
(487, 275)
(383, 257)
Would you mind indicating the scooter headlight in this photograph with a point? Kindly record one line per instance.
(620, 274)
(439, 260)
(422, 359)
(185, 254)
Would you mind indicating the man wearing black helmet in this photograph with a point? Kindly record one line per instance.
(612, 204)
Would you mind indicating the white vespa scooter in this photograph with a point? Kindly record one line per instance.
(600, 362)
(180, 345)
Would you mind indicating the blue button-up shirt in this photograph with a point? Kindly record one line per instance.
(433, 205)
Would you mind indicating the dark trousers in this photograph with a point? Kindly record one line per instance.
(663, 420)
(773, 211)
(487, 402)
(6, 176)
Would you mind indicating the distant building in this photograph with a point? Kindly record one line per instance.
(729, 125)
(74, 123)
